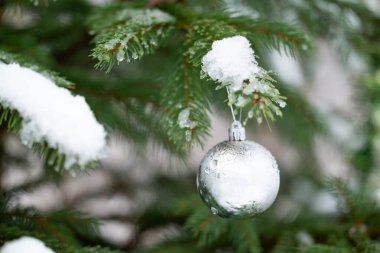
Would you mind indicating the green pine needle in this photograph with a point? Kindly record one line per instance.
(127, 34)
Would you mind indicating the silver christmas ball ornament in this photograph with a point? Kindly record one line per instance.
(238, 178)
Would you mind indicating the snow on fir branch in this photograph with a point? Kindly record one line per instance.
(128, 34)
(7, 58)
(52, 114)
(25, 244)
(184, 102)
(232, 63)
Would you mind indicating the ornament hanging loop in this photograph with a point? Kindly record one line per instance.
(236, 132)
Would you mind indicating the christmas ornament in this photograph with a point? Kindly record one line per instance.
(238, 178)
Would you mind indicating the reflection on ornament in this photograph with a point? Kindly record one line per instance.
(238, 178)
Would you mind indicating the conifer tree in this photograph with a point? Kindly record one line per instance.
(76, 73)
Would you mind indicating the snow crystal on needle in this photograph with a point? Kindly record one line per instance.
(231, 61)
(25, 244)
(184, 119)
(52, 114)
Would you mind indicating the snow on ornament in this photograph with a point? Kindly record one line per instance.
(238, 178)
(25, 244)
(52, 114)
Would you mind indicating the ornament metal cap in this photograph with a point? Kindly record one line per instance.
(236, 132)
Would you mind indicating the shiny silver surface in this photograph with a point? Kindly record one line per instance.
(238, 178)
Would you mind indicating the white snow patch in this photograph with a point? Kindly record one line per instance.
(52, 114)
(184, 119)
(25, 244)
(231, 61)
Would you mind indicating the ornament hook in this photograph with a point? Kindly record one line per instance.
(236, 132)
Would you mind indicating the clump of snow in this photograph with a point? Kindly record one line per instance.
(52, 114)
(184, 119)
(25, 244)
(231, 61)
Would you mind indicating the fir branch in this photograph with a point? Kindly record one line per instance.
(273, 35)
(325, 249)
(348, 199)
(256, 94)
(284, 244)
(61, 227)
(361, 209)
(210, 229)
(183, 206)
(144, 122)
(183, 94)
(53, 160)
(261, 33)
(19, 217)
(361, 205)
(335, 21)
(8, 233)
(173, 246)
(12, 119)
(244, 237)
(113, 14)
(137, 116)
(65, 225)
(206, 227)
(128, 33)
(202, 33)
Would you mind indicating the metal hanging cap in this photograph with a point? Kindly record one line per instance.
(236, 132)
